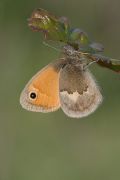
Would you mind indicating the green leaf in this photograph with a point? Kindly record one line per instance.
(80, 36)
(52, 27)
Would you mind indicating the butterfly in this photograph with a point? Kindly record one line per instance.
(67, 82)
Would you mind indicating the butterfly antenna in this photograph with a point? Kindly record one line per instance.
(48, 45)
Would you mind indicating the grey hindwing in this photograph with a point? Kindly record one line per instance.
(79, 93)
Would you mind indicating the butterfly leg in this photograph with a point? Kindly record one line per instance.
(88, 65)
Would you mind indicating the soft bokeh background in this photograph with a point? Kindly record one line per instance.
(36, 146)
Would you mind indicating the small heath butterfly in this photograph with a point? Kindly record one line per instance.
(65, 83)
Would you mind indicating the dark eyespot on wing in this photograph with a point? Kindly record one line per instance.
(41, 93)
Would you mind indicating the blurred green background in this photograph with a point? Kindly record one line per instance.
(36, 146)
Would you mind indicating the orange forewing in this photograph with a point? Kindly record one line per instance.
(47, 84)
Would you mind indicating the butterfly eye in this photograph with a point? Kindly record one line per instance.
(32, 95)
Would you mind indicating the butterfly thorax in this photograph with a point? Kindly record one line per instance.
(75, 57)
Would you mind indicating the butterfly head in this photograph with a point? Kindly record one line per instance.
(70, 52)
